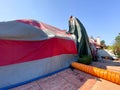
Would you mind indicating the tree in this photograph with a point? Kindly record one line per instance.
(116, 45)
(110, 47)
(117, 39)
(102, 42)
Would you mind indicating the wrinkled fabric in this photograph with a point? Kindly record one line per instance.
(77, 28)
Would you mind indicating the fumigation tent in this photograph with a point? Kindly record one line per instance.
(29, 49)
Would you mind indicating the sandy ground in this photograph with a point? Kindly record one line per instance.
(75, 80)
(104, 84)
(108, 64)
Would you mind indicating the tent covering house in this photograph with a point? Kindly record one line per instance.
(29, 49)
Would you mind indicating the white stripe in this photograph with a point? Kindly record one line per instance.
(17, 73)
(20, 31)
(14, 30)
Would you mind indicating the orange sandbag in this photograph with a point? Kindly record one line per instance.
(102, 73)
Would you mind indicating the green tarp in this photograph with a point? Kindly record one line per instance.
(77, 28)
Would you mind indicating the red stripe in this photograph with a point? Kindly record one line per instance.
(12, 52)
(31, 22)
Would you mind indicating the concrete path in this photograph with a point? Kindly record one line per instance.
(65, 80)
(105, 85)
(75, 80)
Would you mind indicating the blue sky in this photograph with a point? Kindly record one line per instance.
(100, 17)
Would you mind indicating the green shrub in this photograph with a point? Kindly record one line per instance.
(85, 59)
(118, 54)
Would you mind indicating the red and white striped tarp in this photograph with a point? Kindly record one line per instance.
(20, 44)
(29, 48)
